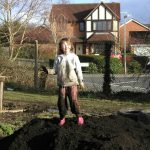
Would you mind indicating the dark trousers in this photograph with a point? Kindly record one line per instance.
(71, 94)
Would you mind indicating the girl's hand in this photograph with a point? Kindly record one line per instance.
(51, 71)
(82, 86)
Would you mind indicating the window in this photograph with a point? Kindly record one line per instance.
(102, 25)
(98, 48)
(82, 26)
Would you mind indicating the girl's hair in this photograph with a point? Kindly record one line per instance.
(67, 40)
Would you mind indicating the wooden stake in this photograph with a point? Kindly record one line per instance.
(2, 79)
(36, 66)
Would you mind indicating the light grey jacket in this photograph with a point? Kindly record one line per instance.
(68, 70)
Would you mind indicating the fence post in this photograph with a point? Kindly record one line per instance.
(107, 71)
(2, 79)
(36, 66)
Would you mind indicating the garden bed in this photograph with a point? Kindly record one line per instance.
(114, 132)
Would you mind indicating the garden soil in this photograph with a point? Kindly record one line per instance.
(114, 132)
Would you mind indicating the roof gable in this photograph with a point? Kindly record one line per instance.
(108, 6)
(135, 21)
(77, 12)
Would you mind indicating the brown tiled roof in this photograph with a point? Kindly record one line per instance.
(77, 12)
(76, 39)
(140, 37)
(39, 33)
(101, 37)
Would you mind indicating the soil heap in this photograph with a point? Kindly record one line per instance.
(115, 132)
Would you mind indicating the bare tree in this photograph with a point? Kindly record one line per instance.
(56, 23)
(23, 12)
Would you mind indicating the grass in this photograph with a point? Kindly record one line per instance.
(87, 104)
(29, 97)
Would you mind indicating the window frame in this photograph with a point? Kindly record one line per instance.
(81, 26)
(103, 29)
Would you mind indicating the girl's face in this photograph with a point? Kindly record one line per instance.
(65, 47)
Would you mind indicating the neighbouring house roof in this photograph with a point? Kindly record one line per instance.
(133, 20)
(140, 37)
(77, 12)
(147, 25)
(42, 34)
(101, 37)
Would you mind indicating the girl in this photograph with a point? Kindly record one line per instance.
(69, 75)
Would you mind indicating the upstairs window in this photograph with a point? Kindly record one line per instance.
(102, 25)
(82, 26)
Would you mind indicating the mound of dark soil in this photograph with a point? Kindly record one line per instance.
(114, 132)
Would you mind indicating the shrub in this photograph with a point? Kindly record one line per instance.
(98, 60)
(134, 67)
(17, 76)
(85, 58)
(116, 65)
(92, 68)
(6, 129)
(45, 54)
(142, 60)
(27, 51)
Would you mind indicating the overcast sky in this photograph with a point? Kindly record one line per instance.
(136, 9)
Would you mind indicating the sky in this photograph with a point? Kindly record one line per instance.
(135, 9)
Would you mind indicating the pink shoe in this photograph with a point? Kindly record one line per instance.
(80, 121)
(62, 122)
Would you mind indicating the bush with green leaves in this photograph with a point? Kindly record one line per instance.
(116, 66)
(98, 60)
(92, 68)
(134, 67)
(27, 51)
(6, 129)
(142, 60)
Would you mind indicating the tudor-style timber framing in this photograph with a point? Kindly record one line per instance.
(90, 26)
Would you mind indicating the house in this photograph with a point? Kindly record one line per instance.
(136, 33)
(89, 26)
(43, 36)
(39, 33)
(140, 43)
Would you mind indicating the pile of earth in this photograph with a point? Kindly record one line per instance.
(114, 132)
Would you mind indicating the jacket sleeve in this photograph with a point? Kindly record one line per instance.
(78, 69)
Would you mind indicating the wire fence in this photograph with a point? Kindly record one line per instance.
(139, 82)
(131, 82)
(23, 75)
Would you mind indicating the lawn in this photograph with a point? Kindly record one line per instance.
(44, 105)
(88, 104)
